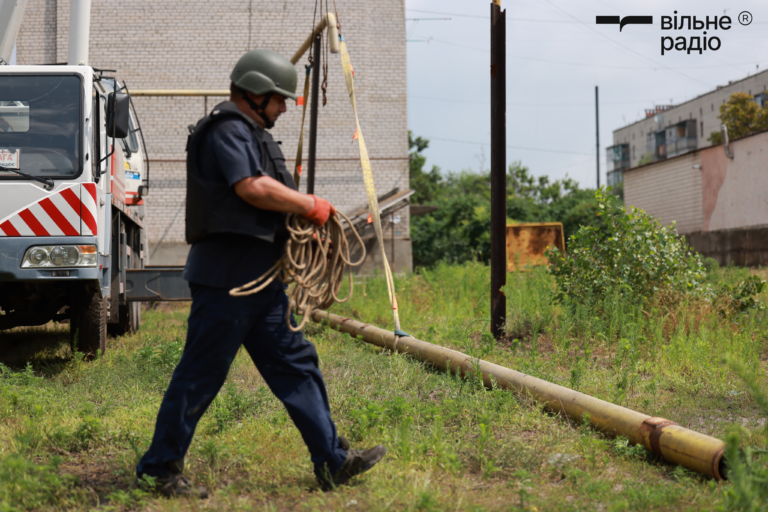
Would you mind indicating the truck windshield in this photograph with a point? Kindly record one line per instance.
(40, 126)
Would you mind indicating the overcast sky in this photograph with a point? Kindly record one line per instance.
(556, 55)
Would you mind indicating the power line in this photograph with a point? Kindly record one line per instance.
(510, 147)
(542, 60)
(451, 14)
(584, 161)
(582, 24)
(452, 100)
(533, 20)
(583, 64)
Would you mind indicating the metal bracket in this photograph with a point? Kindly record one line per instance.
(653, 428)
(152, 284)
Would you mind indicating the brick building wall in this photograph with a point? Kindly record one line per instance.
(670, 190)
(194, 45)
(718, 202)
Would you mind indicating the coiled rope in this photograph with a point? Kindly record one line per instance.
(314, 261)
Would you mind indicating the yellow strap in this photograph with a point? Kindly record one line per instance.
(300, 149)
(370, 189)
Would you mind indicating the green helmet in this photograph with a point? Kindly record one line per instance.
(264, 72)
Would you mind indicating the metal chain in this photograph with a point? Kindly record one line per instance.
(324, 50)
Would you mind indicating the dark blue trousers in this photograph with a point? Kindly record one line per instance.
(218, 325)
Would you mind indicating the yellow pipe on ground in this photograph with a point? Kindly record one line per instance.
(693, 450)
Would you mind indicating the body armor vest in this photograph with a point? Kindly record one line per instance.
(214, 207)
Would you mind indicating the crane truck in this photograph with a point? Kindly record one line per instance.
(74, 173)
(73, 176)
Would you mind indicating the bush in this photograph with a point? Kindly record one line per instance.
(630, 254)
(458, 231)
(739, 298)
(711, 264)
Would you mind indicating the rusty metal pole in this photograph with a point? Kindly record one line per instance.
(498, 169)
(597, 137)
(392, 222)
(313, 115)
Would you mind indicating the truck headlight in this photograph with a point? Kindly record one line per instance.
(60, 256)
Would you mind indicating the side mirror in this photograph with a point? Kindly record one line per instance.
(118, 115)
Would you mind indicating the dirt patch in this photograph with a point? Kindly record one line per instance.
(92, 474)
(23, 344)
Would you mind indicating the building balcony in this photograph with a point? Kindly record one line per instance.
(680, 146)
(672, 141)
(617, 157)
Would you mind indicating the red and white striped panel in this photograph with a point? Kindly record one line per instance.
(89, 209)
(117, 186)
(59, 214)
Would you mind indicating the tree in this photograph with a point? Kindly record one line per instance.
(629, 254)
(459, 230)
(742, 116)
(532, 199)
(424, 183)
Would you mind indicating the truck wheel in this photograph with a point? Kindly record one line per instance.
(136, 317)
(130, 319)
(88, 326)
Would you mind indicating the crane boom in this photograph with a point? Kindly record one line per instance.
(79, 30)
(11, 12)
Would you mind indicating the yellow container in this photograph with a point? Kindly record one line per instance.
(527, 242)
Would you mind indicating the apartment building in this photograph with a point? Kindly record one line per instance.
(671, 130)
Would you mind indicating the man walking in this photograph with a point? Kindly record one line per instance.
(239, 193)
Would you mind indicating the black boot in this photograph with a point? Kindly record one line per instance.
(357, 462)
(175, 483)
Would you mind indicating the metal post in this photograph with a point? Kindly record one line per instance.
(392, 222)
(498, 169)
(313, 115)
(597, 135)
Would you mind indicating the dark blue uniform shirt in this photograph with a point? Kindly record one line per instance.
(229, 153)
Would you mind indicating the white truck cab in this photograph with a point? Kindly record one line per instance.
(72, 179)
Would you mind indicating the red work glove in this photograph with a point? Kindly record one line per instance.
(321, 212)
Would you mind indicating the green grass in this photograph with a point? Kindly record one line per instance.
(71, 432)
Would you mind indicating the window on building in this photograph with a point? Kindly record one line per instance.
(702, 129)
(634, 155)
(713, 107)
(701, 112)
(633, 136)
